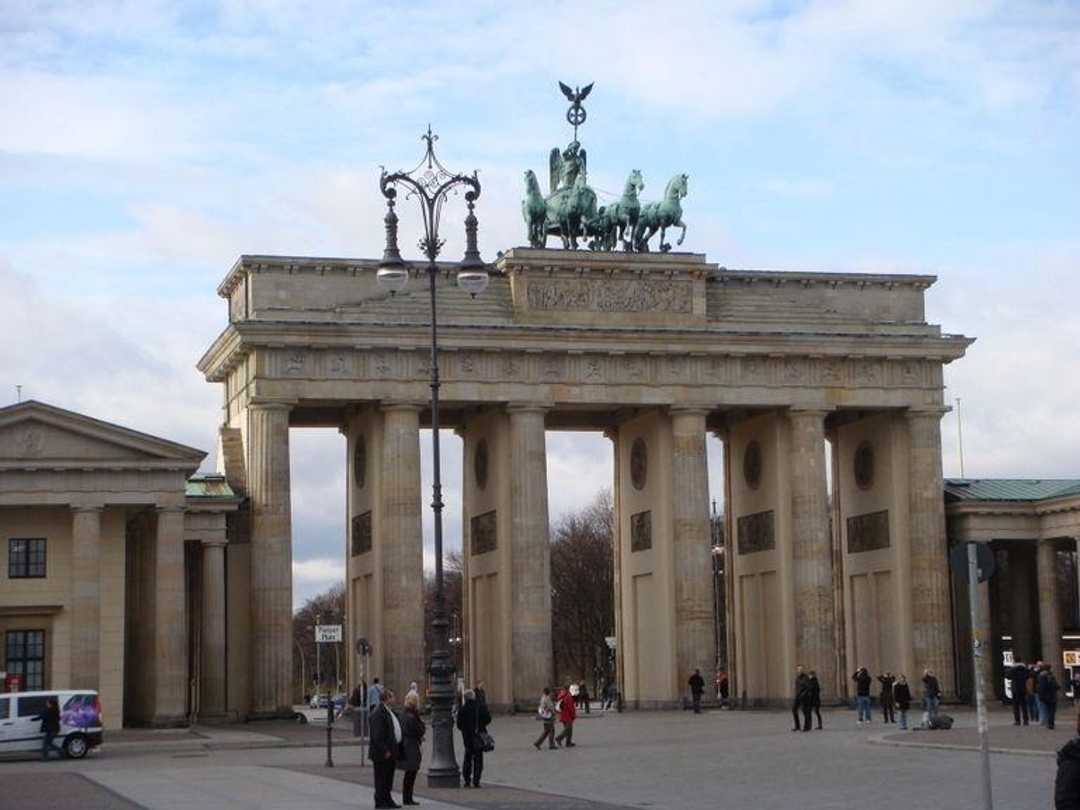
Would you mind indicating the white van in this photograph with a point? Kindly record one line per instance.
(80, 721)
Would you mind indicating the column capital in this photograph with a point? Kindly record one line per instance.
(528, 407)
(809, 411)
(688, 410)
(87, 508)
(385, 407)
(213, 542)
(929, 412)
(270, 404)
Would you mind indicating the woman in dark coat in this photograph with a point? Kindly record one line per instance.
(902, 696)
(412, 736)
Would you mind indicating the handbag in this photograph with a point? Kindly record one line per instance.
(484, 741)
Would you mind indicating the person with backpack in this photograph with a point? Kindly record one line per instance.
(1046, 689)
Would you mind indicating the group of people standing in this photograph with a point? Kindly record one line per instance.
(807, 699)
(395, 738)
(1034, 694)
(894, 695)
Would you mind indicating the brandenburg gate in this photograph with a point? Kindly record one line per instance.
(657, 351)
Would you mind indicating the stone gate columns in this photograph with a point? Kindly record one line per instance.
(271, 559)
(930, 608)
(170, 620)
(815, 625)
(85, 596)
(695, 628)
(530, 537)
(1049, 623)
(212, 663)
(400, 548)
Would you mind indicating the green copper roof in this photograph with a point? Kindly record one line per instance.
(1009, 489)
(208, 485)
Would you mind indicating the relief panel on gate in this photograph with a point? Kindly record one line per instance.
(756, 533)
(361, 534)
(482, 535)
(868, 532)
(641, 531)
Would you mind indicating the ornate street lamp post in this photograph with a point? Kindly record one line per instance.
(431, 184)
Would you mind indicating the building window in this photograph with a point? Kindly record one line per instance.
(26, 558)
(25, 656)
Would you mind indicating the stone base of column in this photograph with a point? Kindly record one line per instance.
(169, 721)
(280, 713)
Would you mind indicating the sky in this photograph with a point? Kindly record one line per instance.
(144, 146)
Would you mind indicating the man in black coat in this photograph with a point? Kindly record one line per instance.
(472, 718)
(1018, 676)
(385, 740)
(1067, 781)
(697, 687)
(801, 706)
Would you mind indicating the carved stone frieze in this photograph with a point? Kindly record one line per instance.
(611, 295)
(773, 370)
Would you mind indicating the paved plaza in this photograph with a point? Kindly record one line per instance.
(659, 760)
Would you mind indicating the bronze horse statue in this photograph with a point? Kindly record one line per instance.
(660, 216)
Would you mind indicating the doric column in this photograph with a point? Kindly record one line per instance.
(1049, 623)
(815, 617)
(930, 623)
(612, 434)
(85, 597)
(401, 547)
(213, 628)
(170, 686)
(695, 621)
(271, 559)
(530, 556)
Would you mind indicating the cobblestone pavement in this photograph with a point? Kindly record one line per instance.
(658, 760)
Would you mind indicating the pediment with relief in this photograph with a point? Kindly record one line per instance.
(33, 434)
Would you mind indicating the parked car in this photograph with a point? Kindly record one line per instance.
(80, 721)
(319, 701)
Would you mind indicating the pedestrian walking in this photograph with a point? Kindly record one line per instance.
(472, 721)
(545, 713)
(902, 696)
(412, 734)
(862, 693)
(697, 688)
(50, 726)
(800, 706)
(885, 697)
(385, 738)
(815, 699)
(564, 705)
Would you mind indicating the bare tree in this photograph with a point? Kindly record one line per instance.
(329, 608)
(583, 589)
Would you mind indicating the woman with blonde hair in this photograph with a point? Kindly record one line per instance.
(412, 736)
